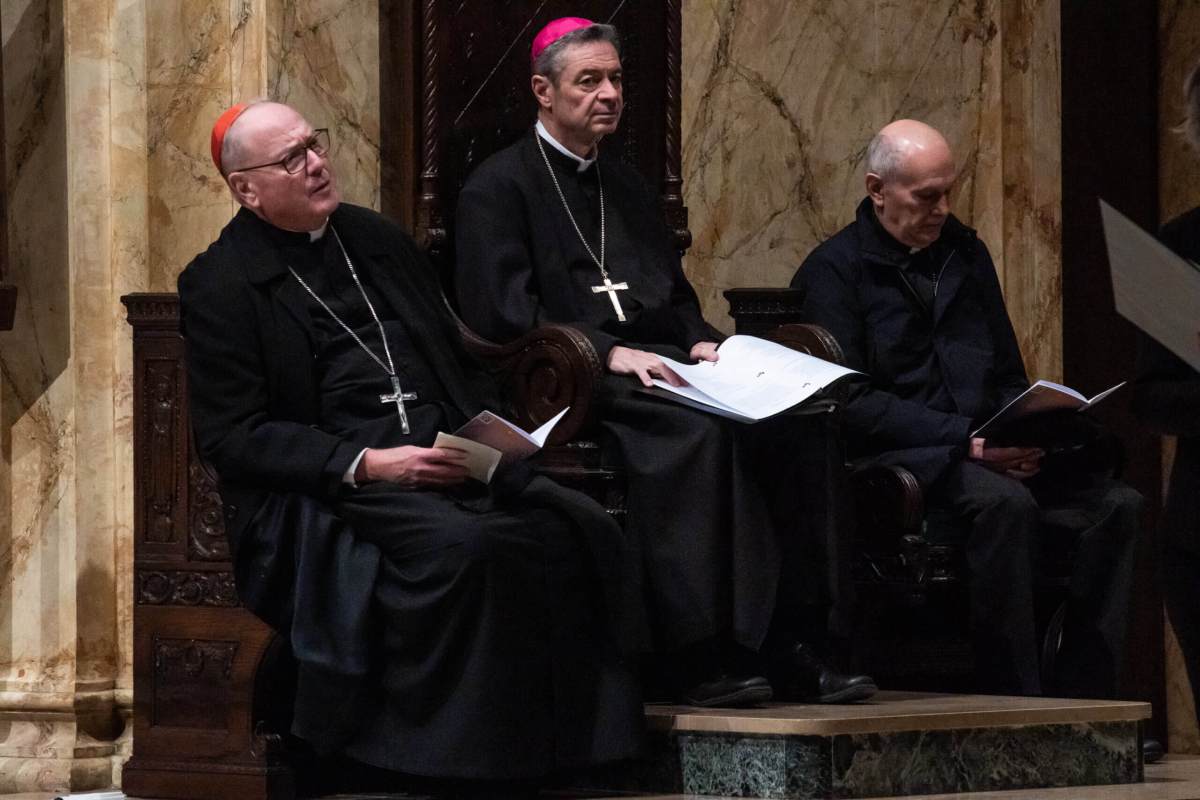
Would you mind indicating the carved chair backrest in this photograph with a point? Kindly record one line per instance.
(473, 98)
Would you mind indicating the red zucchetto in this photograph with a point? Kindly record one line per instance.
(553, 30)
(220, 127)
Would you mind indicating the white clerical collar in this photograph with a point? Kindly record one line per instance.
(319, 232)
(581, 163)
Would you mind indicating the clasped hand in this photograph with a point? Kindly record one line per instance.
(1016, 462)
(413, 467)
(647, 366)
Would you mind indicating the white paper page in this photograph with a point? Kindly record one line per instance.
(1153, 287)
(1103, 395)
(539, 436)
(758, 378)
(692, 393)
(481, 460)
(107, 795)
(1067, 390)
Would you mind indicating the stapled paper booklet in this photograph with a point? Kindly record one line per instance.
(753, 379)
(490, 440)
(1042, 396)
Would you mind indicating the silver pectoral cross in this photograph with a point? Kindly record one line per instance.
(398, 397)
(612, 289)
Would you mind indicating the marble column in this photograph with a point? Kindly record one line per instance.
(1179, 191)
(780, 98)
(111, 190)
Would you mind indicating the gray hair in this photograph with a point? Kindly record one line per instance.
(884, 156)
(549, 61)
(1191, 94)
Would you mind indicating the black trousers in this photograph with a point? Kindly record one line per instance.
(1006, 522)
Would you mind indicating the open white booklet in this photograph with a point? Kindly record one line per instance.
(490, 440)
(753, 379)
(1042, 396)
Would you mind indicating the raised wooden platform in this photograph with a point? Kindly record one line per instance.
(897, 744)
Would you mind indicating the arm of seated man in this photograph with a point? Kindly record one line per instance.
(1016, 462)
(647, 366)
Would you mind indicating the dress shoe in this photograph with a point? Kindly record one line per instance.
(804, 677)
(729, 692)
(1152, 751)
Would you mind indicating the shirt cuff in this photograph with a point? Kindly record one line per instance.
(348, 477)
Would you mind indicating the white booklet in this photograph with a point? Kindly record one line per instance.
(490, 440)
(106, 795)
(753, 379)
(1153, 287)
(1042, 396)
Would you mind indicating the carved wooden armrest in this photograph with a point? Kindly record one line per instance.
(889, 503)
(811, 339)
(542, 372)
(757, 311)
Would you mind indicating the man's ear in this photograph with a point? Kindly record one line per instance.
(244, 190)
(874, 185)
(543, 90)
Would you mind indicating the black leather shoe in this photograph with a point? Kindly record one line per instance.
(1152, 751)
(804, 677)
(729, 692)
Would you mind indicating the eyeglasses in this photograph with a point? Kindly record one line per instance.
(297, 159)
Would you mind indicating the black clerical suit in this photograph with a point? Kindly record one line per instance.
(464, 633)
(708, 499)
(931, 332)
(1167, 396)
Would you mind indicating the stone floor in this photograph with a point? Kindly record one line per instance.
(1174, 778)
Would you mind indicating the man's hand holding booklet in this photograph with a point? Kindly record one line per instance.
(489, 440)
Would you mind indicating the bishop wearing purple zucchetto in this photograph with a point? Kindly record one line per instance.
(554, 229)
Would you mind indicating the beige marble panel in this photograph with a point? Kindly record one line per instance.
(36, 421)
(1179, 50)
(781, 97)
(1179, 190)
(323, 58)
(128, 257)
(1031, 195)
(188, 83)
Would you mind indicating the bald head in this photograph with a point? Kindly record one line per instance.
(891, 149)
(256, 147)
(250, 124)
(910, 171)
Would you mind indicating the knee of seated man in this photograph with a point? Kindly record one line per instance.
(1012, 498)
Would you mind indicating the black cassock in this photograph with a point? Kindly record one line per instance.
(455, 633)
(713, 503)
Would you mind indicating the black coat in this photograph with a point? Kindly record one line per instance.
(1167, 396)
(255, 420)
(520, 263)
(856, 287)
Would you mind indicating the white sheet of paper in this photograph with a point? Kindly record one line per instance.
(1153, 287)
(755, 377)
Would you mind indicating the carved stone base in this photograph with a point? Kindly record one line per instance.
(50, 751)
(899, 744)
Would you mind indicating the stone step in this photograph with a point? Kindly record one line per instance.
(899, 743)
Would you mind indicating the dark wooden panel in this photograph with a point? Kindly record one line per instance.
(1110, 150)
(198, 733)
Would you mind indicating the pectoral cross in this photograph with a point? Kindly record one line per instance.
(398, 397)
(612, 289)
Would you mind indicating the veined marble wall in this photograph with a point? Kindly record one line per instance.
(111, 190)
(1179, 171)
(780, 98)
